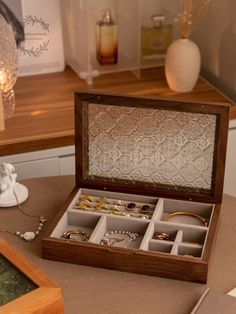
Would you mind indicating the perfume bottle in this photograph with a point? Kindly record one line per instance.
(107, 46)
(156, 39)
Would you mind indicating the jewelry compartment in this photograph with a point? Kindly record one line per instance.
(146, 167)
(77, 226)
(153, 234)
(160, 247)
(121, 232)
(111, 203)
(177, 237)
(189, 251)
(182, 212)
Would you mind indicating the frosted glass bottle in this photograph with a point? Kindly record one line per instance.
(106, 37)
(156, 39)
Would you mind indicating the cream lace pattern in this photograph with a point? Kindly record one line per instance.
(150, 145)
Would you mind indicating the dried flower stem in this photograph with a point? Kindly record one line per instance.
(192, 10)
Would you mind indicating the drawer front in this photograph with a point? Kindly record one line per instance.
(37, 168)
(67, 165)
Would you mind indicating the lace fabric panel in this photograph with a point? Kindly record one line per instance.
(150, 145)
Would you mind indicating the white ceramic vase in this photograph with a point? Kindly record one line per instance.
(182, 66)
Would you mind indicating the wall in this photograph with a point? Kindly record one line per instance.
(15, 6)
(216, 38)
(151, 7)
(42, 50)
(215, 35)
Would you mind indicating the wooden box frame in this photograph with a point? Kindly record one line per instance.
(131, 259)
(47, 298)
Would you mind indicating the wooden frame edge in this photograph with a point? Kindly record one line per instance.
(33, 301)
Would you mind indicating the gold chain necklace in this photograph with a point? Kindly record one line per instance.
(28, 235)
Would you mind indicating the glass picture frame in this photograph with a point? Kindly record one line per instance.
(23, 286)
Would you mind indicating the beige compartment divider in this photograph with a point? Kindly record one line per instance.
(75, 199)
(179, 236)
(61, 226)
(148, 235)
(75, 220)
(174, 250)
(99, 230)
(158, 212)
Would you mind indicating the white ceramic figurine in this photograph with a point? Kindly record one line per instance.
(11, 192)
(7, 178)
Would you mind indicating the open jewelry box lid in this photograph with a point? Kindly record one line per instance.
(149, 146)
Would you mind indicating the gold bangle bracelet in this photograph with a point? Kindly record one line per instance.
(77, 232)
(203, 220)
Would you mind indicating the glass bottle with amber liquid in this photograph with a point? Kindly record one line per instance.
(106, 36)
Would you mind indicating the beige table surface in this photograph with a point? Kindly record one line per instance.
(90, 290)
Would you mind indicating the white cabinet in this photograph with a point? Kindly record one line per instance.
(43, 163)
(230, 171)
(37, 168)
(67, 165)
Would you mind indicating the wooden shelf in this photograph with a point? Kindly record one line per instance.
(44, 115)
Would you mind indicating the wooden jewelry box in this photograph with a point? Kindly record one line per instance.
(149, 182)
(23, 287)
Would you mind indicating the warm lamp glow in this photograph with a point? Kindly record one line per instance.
(2, 123)
(8, 67)
(38, 112)
(2, 79)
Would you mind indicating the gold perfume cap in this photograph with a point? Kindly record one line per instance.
(158, 19)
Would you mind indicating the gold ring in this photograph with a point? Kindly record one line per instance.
(115, 208)
(203, 220)
(88, 198)
(69, 233)
(115, 212)
(101, 206)
(119, 203)
(85, 202)
(81, 206)
(103, 200)
(163, 236)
